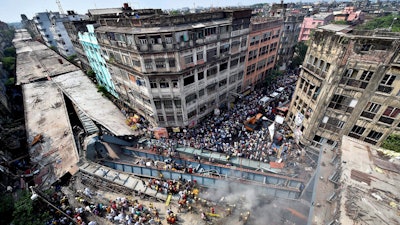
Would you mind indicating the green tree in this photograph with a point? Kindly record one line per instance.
(340, 22)
(392, 142)
(10, 82)
(270, 79)
(103, 91)
(9, 52)
(299, 54)
(30, 212)
(91, 74)
(8, 63)
(6, 208)
(71, 58)
(390, 21)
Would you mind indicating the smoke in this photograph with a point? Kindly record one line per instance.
(263, 209)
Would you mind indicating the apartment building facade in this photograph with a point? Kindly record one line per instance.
(43, 24)
(310, 23)
(262, 51)
(73, 28)
(349, 85)
(92, 51)
(174, 70)
(292, 20)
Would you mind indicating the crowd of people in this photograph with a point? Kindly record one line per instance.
(226, 132)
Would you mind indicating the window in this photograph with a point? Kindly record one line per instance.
(244, 42)
(240, 75)
(389, 115)
(201, 93)
(160, 63)
(352, 73)
(366, 75)
(224, 49)
(200, 75)
(223, 66)
(223, 82)
(168, 40)
(171, 62)
(342, 103)
(175, 84)
(250, 69)
(211, 88)
(261, 64)
(190, 98)
(370, 110)
(170, 118)
(199, 55)
(252, 55)
(188, 80)
(357, 130)
(161, 118)
(211, 54)
(177, 103)
(157, 104)
(192, 114)
(148, 64)
(136, 62)
(234, 62)
(188, 59)
(254, 40)
(327, 66)
(365, 47)
(153, 84)
(164, 84)
(168, 104)
(373, 137)
(212, 72)
(263, 50)
(210, 31)
(232, 79)
(391, 112)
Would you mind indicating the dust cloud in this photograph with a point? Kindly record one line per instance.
(263, 209)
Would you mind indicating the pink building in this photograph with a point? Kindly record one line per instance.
(312, 22)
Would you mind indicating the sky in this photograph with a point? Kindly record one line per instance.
(11, 10)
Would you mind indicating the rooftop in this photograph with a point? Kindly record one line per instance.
(336, 28)
(83, 93)
(321, 16)
(36, 61)
(54, 149)
(370, 184)
(160, 29)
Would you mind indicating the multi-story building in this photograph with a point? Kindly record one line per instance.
(53, 32)
(263, 47)
(349, 15)
(43, 24)
(349, 84)
(30, 26)
(290, 33)
(93, 53)
(174, 70)
(73, 28)
(310, 23)
(60, 34)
